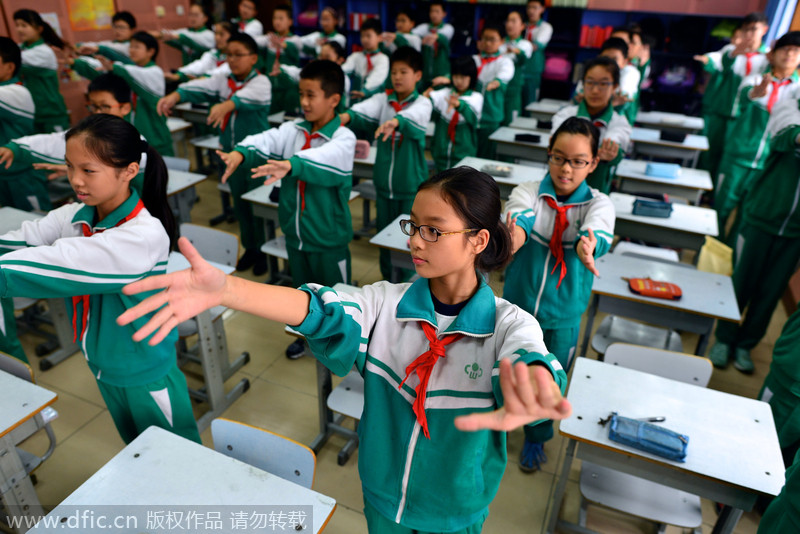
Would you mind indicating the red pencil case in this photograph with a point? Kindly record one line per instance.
(654, 288)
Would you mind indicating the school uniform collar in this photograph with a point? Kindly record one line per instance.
(331, 35)
(581, 195)
(26, 46)
(518, 39)
(197, 30)
(605, 116)
(250, 75)
(488, 56)
(392, 95)
(86, 214)
(11, 81)
(476, 319)
(326, 131)
(794, 77)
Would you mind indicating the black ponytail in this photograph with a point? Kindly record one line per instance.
(34, 19)
(117, 143)
(475, 197)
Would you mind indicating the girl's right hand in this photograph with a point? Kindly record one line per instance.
(517, 233)
(608, 150)
(232, 160)
(6, 156)
(186, 294)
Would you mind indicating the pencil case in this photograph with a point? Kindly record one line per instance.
(652, 208)
(649, 438)
(528, 138)
(673, 137)
(654, 288)
(501, 171)
(663, 170)
(544, 125)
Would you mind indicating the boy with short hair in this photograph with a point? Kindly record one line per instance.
(436, 36)
(369, 68)
(247, 22)
(401, 116)
(313, 158)
(328, 22)
(280, 45)
(404, 35)
(242, 105)
(538, 32)
(123, 24)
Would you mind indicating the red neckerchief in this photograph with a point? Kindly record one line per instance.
(556, 247)
(530, 28)
(423, 365)
(451, 127)
(301, 184)
(234, 86)
(485, 60)
(749, 65)
(369, 55)
(397, 107)
(242, 24)
(84, 299)
(773, 97)
(435, 29)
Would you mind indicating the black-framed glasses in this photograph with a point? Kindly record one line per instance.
(574, 163)
(428, 233)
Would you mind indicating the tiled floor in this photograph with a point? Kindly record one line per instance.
(282, 398)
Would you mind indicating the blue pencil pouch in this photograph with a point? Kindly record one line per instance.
(652, 208)
(663, 170)
(649, 438)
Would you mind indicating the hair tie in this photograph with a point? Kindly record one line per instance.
(143, 146)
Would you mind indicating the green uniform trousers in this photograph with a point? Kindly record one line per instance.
(487, 149)
(387, 210)
(783, 515)
(763, 264)
(512, 103)
(327, 268)
(164, 403)
(9, 342)
(562, 342)
(732, 184)
(25, 192)
(378, 524)
(716, 126)
(530, 88)
(251, 228)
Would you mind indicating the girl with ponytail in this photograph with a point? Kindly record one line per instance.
(441, 357)
(558, 226)
(39, 71)
(87, 251)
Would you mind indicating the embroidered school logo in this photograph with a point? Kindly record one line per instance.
(473, 371)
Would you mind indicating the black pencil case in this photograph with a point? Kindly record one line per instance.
(528, 138)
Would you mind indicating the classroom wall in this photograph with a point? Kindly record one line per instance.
(734, 8)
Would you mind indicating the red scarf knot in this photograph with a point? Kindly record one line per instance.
(773, 97)
(301, 184)
(556, 246)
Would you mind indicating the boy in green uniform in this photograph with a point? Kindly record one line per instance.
(313, 158)
(404, 23)
(538, 32)
(768, 243)
(401, 116)
(520, 51)
(242, 103)
(436, 37)
(495, 73)
(280, 47)
(123, 25)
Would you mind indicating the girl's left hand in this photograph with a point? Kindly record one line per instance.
(608, 150)
(275, 169)
(387, 129)
(529, 394)
(585, 249)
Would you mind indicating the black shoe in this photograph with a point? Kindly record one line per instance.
(296, 350)
(248, 259)
(260, 266)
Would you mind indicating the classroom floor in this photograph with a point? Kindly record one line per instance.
(282, 398)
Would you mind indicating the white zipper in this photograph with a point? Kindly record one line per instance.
(791, 212)
(412, 445)
(391, 170)
(544, 281)
(297, 219)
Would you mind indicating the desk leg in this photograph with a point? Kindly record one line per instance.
(727, 520)
(702, 341)
(16, 490)
(587, 334)
(558, 495)
(324, 388)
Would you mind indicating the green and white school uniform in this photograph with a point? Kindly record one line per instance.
(546, 277)
(499, 68)
(767, 247)
(311, 48)
(513, 100)
(313, 209)
(402, 39)
(436, 57)
(400, 164)
(39, 74)
(419, 470)
(16, 120)
(209, 64)
(539, 35)
(252, 97)
(747, 141)
(251, 27)
(612, 126)
(368, 71)
(68, 253)
(113, 50)
(192, 42)
(456, 133)
(284, 93)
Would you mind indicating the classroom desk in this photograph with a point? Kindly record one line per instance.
(545, 108)
(519, 173)
(733, 454)
(648, 142)
(362, 168)
(12, 219)
(20, 401)
(507, 146)
(268, 210)
(689, 184)
(181, 192)
(195, 115)
(177, 130)
(686, 227)
(706, 297)
(393, 239)
(670, 122)
(159, 473)
(525, 123)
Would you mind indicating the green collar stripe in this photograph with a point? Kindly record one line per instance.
(86, 213)
(461, 394)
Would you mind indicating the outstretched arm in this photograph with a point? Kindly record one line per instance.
(201, 287)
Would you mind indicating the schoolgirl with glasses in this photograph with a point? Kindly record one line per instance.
(558, 227)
